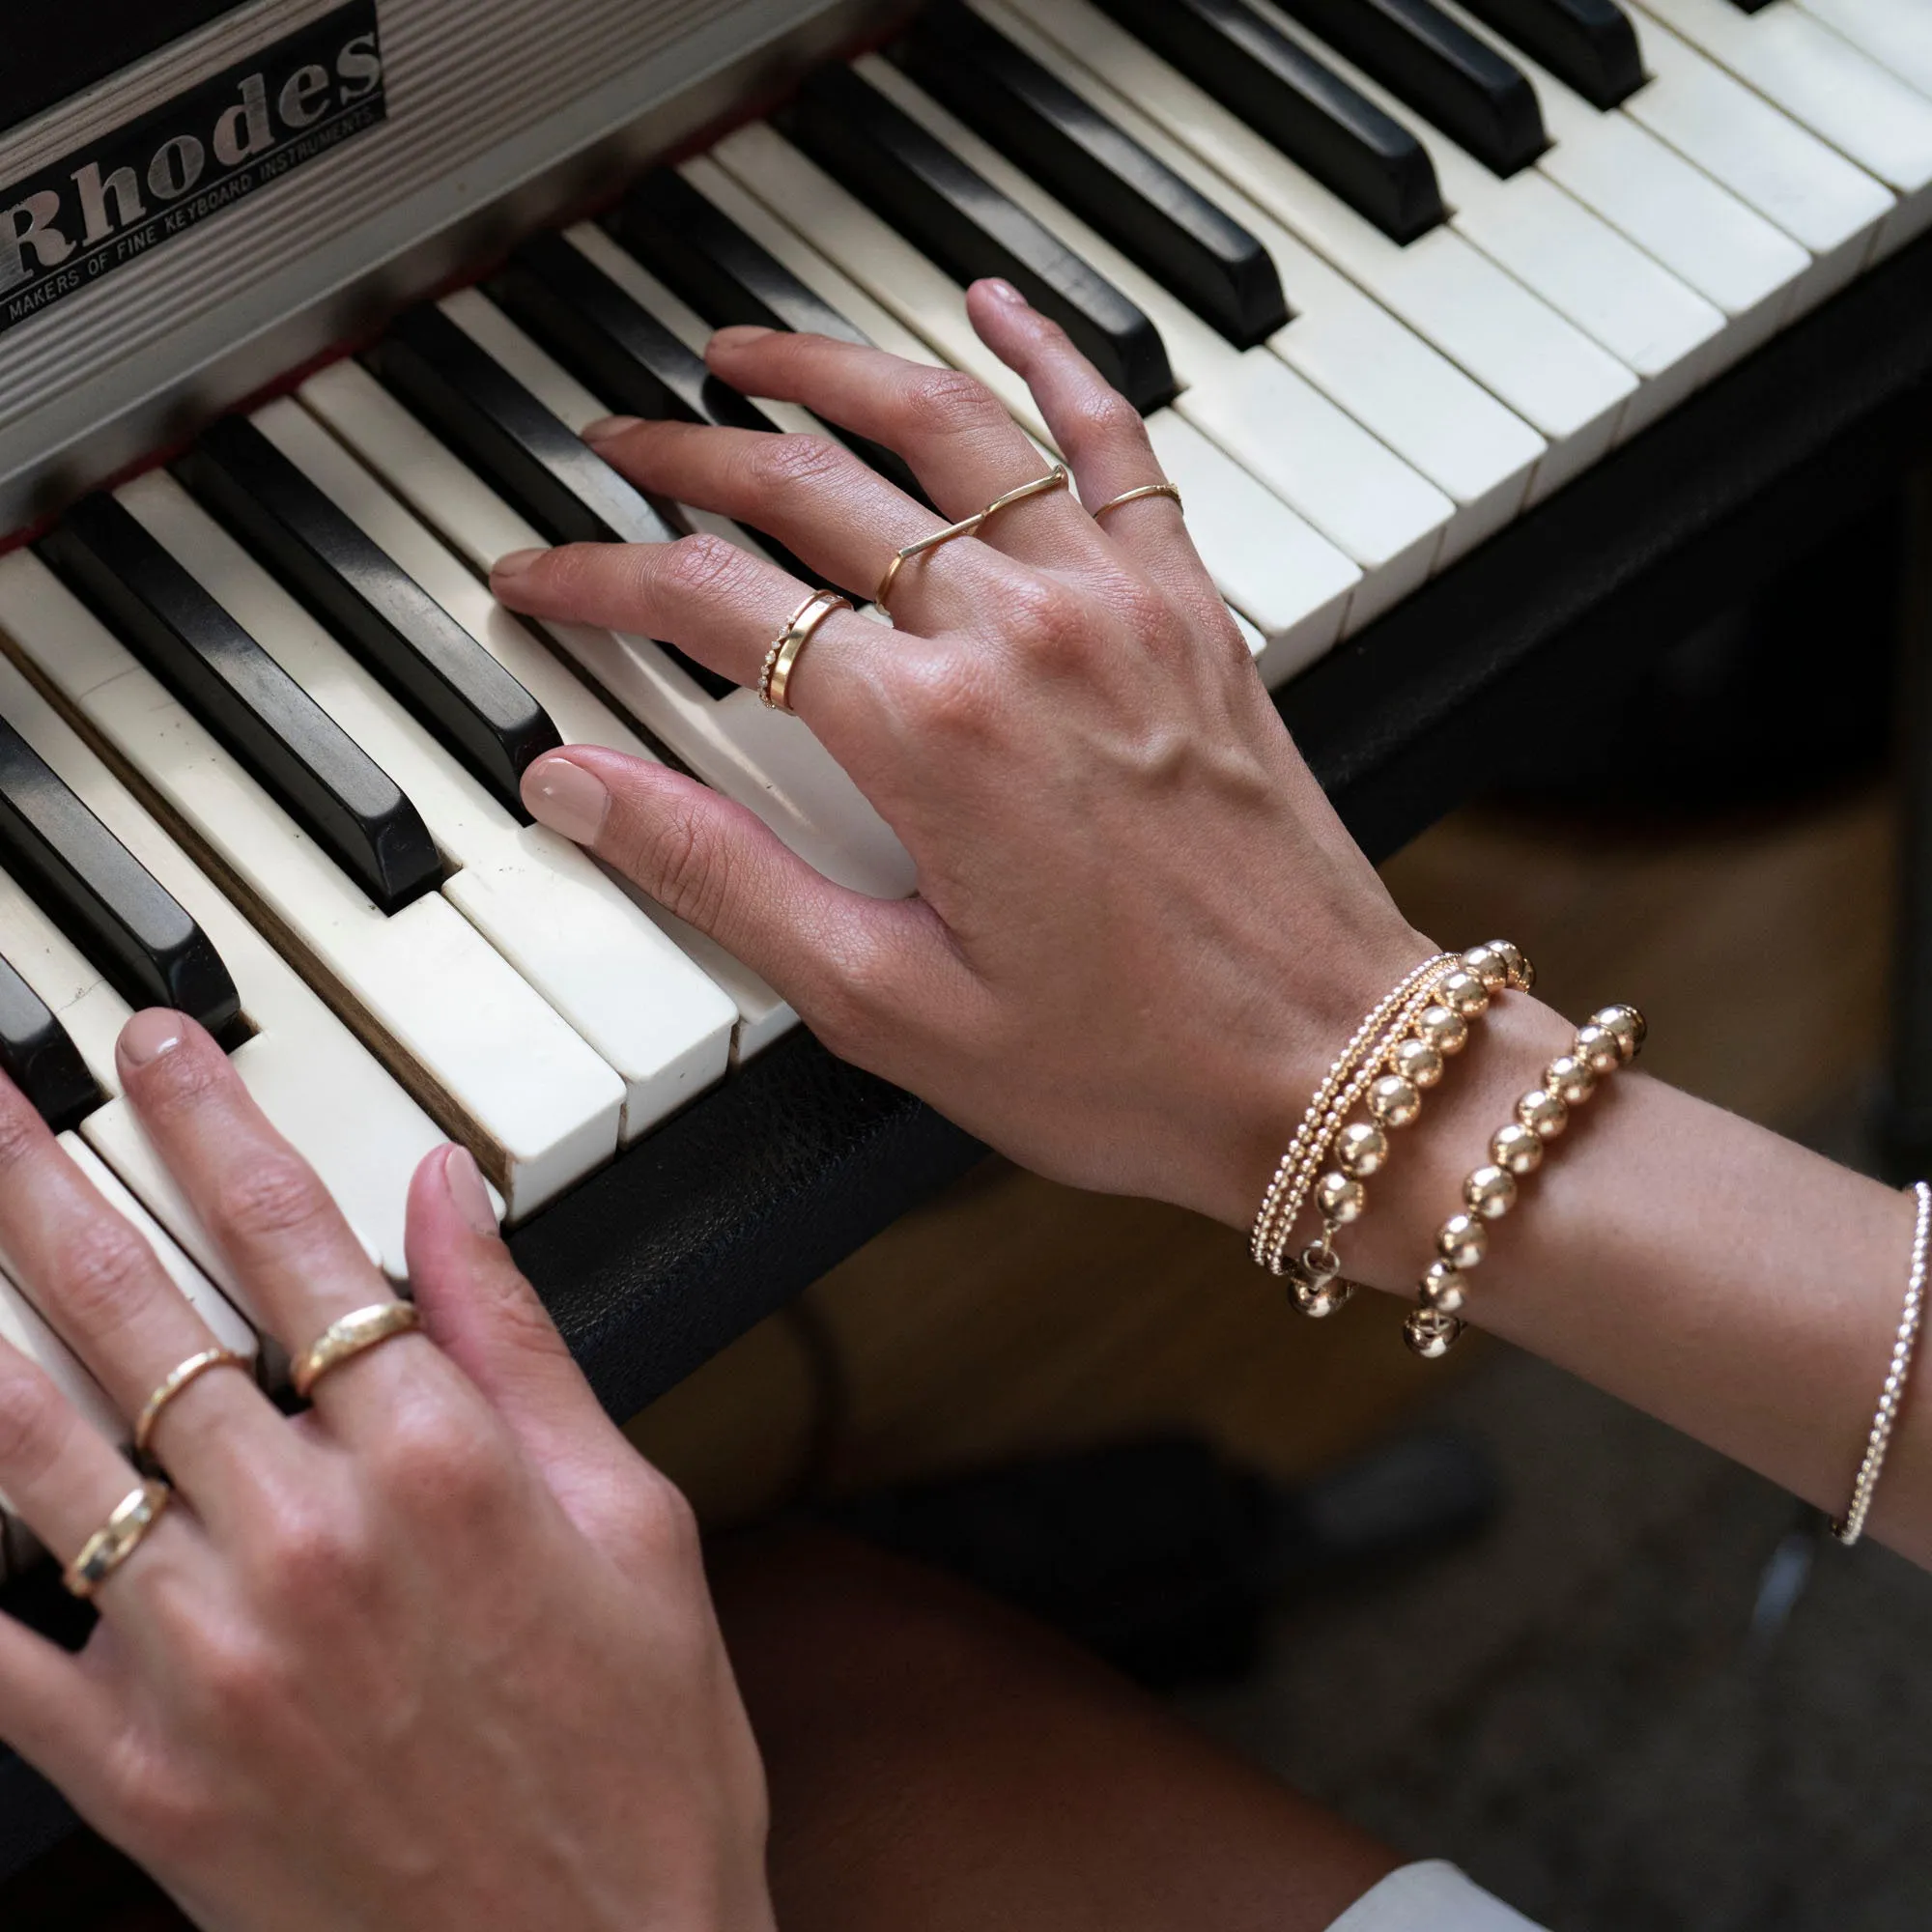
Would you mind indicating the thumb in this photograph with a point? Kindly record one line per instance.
(719, 867)
(487, 1319)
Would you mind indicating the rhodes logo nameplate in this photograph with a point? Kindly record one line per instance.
(72, 223)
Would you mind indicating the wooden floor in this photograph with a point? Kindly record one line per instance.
(1012, 1316)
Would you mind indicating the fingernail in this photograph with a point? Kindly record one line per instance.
(1004, 292)
(151, 1034)
(607, 429)
(740, 336)
(467, 1194)
(514, 563)
(566, 798)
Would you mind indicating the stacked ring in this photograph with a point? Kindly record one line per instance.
(774, 677)
(1134, 495)
(352, 1335)
(173, 1383)
(1055, 478)
(116, 1539)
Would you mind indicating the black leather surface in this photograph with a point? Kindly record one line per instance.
(749, 1195)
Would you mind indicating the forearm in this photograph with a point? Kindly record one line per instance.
(1724, 1279)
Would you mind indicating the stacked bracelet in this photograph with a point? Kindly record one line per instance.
(1610, 1040)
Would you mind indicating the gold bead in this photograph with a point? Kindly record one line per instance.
(1442, 1288)
(1490, 1192)
(1597, 1048)
(1489, 966)
(1463, 1240)
(1627, 1023)
(1417, 1061)
(1319, 1300)
(1543, 1113)
(1461, 993)
(1570, 1079)
(1517, 1147)
(1394, 1100)
(1340, 1199)
(1361, 1148)
(1430, 1333)
(1522, 974)
(1447, 1032)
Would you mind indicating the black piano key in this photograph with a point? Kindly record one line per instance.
(1589, 45)
(1099, 170)
(1457, 82)
(699, 253)
(520, 449)
(367, 600)
(38, 1058)
(969, 227)
(1311, 114)
(135, 933)
(332, 788)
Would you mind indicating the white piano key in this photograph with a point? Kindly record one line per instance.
(580, 715)
(1268, 564)
(764, 759)
(1322, 465)
(1898, 34)
(1806, 187)
(1563, 252)
(1551, 374)
(1420, 403)
(638, 1002)
(319, 1085)
(539, 1109)
(1819, 78)
(1705, 236)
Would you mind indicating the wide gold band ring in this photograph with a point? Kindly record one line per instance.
(775, 678)
(116, 1539)
(1055, 478)
(1134, 495)
(352, 1335)
(177, 1378)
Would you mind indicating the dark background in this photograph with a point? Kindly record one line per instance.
(52, 48)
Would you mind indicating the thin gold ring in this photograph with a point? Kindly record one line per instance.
(1055, 478)
(775, 678)
(1134, 496)
(342, 1341)
(116, 1539)
(177, 1378)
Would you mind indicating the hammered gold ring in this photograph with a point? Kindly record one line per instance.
(116, 1539)
(342, 1341)
(1055, 478)
(177, 1379)
(774, 677)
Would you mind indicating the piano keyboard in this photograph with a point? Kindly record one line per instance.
(1382, 275)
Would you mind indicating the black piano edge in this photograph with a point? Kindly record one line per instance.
(749, 1196)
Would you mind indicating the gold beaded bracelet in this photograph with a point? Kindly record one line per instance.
(1609, 1039)
(1434, 1027)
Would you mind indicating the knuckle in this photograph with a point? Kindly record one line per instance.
(241, 1675)
(701, 566)
(317, 1555)
(1102, 415)
(34, 1420)
(1144, 608)
(947, 401)
(667, 1524)
(105, 1270)
(266, 1199)
(1048, 619)
(155, 1803)
(22, 1132)
(796, 464)
(437, 1457)
(683, 863)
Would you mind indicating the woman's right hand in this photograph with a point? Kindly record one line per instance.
(1140, 928)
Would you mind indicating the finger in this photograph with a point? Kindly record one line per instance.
(721, 869)
(263, 1207)
(56, 1712)
(486, 1318)
(719, 605)
(64, 1479)
(1104, 439)
(963, 446)
(97, 1283)
(820, 501)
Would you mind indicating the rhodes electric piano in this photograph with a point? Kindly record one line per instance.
(1492, 342)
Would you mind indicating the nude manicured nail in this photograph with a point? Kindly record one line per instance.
(566, 798)
(607, 429)
(740, 336)
(467, 1193)
(513, 564)
(151, 1034)
(1004, 292)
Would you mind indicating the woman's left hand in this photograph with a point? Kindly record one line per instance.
(437, 1654)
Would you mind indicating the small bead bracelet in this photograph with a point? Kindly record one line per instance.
(1432, 1027)
(1609, 1040)
(1852, 1524)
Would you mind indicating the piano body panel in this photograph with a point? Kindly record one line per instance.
(488, 138)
